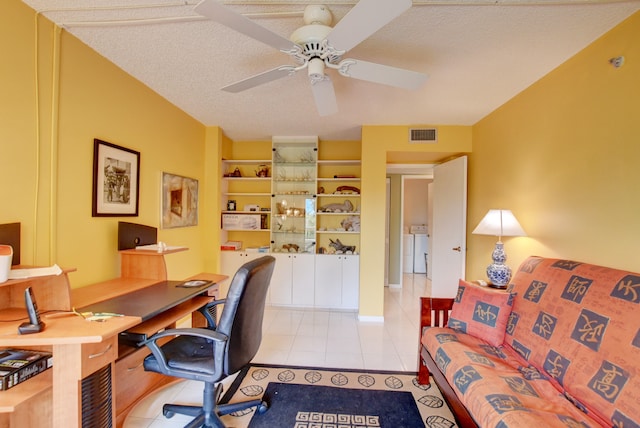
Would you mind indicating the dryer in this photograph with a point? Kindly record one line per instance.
(420, 248)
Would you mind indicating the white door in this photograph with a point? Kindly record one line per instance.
(449, 226)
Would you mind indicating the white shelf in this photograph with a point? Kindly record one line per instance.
(338, 214)
(342, 232)
(246, 161)
(245, 194)
(246, 230)
(247, 178)
(338, 179)
(245, 212)
(338, 195)
(339, 162)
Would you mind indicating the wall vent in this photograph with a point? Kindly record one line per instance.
(423, 135)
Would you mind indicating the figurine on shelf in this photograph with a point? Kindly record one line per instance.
(262, 171)
(351, 223)
(236, 173)
(341, 248)
(347, 190)
(345, 207)
(292, 248)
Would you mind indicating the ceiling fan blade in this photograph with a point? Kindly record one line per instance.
(215, 11)
(325, 96)
(383, 74)
(259, 79)
(364, 19)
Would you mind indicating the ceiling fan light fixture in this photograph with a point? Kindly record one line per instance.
(316, 70)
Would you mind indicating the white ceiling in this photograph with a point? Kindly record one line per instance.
(477, 57)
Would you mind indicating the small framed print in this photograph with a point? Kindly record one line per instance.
(116, 177)
(179, 201)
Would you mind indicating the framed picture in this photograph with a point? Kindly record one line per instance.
(179, 201)
(116, 176)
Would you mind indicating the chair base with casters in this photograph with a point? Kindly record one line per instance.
(223, 348)
(211, 394)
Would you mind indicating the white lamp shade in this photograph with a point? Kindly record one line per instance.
(499, 223)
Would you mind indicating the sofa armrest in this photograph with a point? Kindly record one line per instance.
(434, 312)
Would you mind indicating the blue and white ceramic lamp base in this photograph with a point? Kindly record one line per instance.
(498, 273)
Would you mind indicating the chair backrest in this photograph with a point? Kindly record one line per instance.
(241, 318)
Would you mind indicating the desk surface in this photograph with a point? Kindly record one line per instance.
(149, 301)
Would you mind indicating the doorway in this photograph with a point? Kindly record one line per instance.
(408, 204)
(447, 217)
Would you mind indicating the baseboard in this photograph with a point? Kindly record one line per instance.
(364, 318)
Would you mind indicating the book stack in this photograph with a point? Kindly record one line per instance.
(231, 246)
(18, 365)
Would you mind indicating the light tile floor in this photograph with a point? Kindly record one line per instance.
(318, 338)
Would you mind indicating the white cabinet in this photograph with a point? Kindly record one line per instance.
(337, 280)
(230, 262)
(292, 280)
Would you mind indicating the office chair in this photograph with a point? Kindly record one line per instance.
(211, 354)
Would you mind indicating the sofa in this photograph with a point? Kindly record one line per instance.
(560, 347)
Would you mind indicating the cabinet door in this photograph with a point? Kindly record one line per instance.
(303, 276)
(230, 262)
(350, 282)
(328, 289)
(281, 281)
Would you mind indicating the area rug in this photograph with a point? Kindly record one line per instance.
(300, 397)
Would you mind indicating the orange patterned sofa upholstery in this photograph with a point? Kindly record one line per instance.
(570, 356)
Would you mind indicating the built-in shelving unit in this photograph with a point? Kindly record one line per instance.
(308, 201)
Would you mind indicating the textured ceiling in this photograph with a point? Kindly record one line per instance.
(477, 57)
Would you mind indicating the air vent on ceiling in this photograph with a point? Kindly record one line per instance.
(423, 135)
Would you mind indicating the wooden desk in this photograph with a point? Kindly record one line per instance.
(81, 349)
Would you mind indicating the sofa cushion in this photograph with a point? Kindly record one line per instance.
(495, 386)
(481, 312)
(578, 324)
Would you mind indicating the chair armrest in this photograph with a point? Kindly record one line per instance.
(198, 332)
(218, 341)
(209, 311)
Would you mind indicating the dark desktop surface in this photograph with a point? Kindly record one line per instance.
(149, 301)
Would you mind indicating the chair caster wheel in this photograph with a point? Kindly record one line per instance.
(168, 414)
(262, 408)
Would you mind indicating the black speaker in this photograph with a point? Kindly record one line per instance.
(131, 235)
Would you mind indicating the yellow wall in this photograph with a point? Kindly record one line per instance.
(83, 96)
(377, 142)
(563, 156)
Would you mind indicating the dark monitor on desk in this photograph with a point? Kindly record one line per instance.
(10, 235)
(131, 235)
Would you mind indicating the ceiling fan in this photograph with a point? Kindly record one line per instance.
(317, 46)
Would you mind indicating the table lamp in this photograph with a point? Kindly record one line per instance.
(499, 223)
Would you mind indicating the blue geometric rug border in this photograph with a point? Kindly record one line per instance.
(255, 380)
